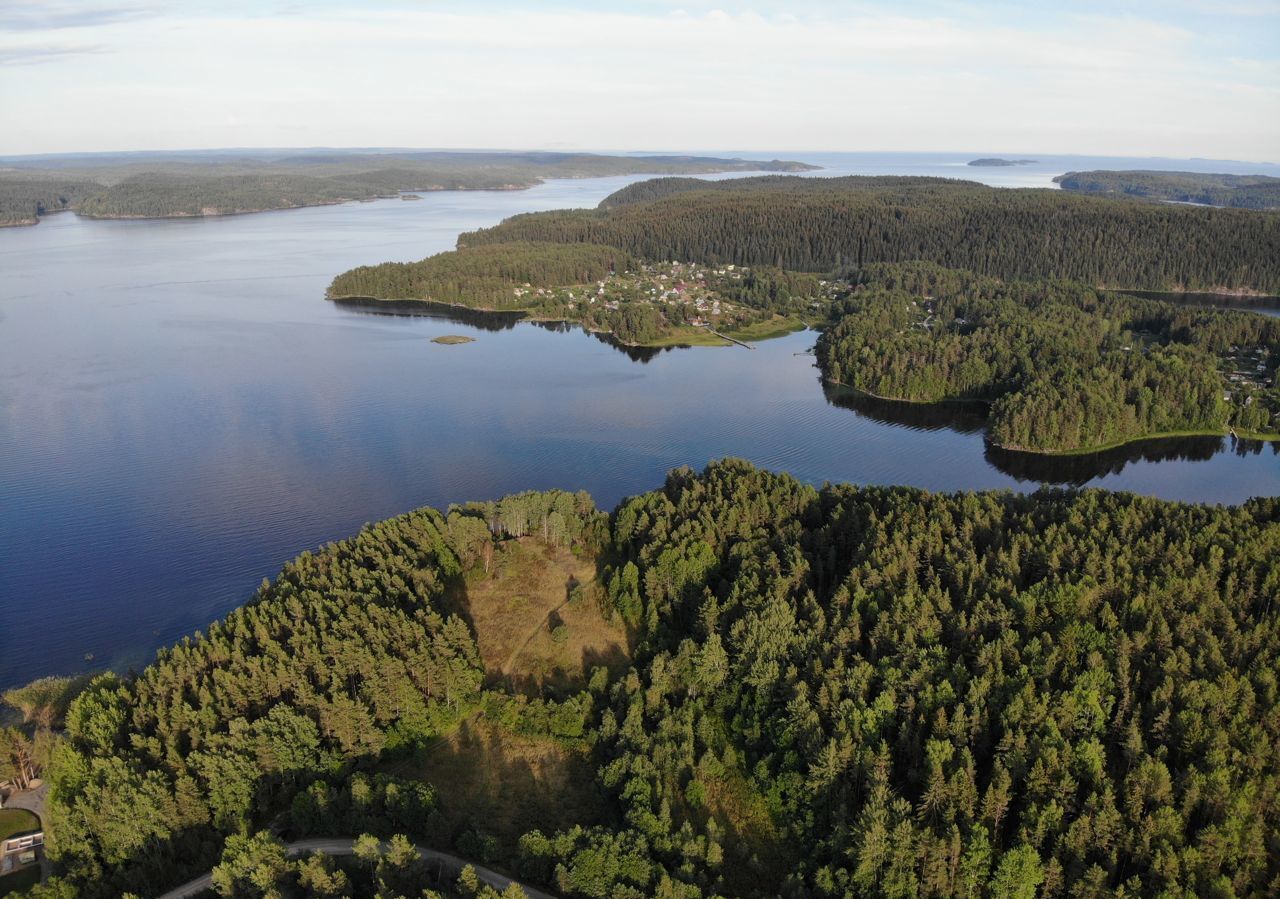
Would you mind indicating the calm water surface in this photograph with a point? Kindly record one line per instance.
(181, 412)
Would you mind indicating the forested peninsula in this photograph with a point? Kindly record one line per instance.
(1235, 191)
(180, 185)
(602, 288)
(1063, 366)
(746, 687)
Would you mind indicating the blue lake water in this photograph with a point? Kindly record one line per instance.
(181, 412)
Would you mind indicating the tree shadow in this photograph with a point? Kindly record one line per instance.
(456, 600)
(1080, 468)
(963, 416)
(476, 318)
(612, 658)
(497, 785)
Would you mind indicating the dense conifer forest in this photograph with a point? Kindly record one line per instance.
(840, 692)
(24, 198)
(1064, 366)
(1236, 191)
(193, 184)
(821, 224)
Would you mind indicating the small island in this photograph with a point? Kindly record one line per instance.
(997, 162)
(452, 339)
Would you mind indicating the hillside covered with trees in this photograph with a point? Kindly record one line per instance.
(826, 224)
(287, 705)
(1064, 367)
(841, 692)
(160, 185)
(1235, 191)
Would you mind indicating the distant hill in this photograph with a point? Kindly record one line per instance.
(171, 185)
(1234, 191)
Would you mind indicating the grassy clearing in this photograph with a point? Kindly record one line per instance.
(537, 619)
(778, 326)
(687, 336)
(505, 784)
(538, 624)
(15, 821)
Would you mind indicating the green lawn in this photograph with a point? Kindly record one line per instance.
(778, 326)
(16, 820)
(688, 335)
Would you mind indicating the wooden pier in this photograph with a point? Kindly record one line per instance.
(728, 338)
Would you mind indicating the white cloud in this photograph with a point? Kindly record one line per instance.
(49, 15)
(35, 54)
(429, 76)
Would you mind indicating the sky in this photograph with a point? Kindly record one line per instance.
(1175, 78)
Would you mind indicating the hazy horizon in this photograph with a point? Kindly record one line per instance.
(796, 155)
(1135, 78)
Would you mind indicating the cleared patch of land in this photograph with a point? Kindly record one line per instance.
(778, 326)
(15, 821)
(505, 784)
(537, 619)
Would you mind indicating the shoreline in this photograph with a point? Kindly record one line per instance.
(1235, 293)
(951, 400)
(125, 217)
(430, 188)
(1260, 436)
(1239, 434)
(688, 339)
